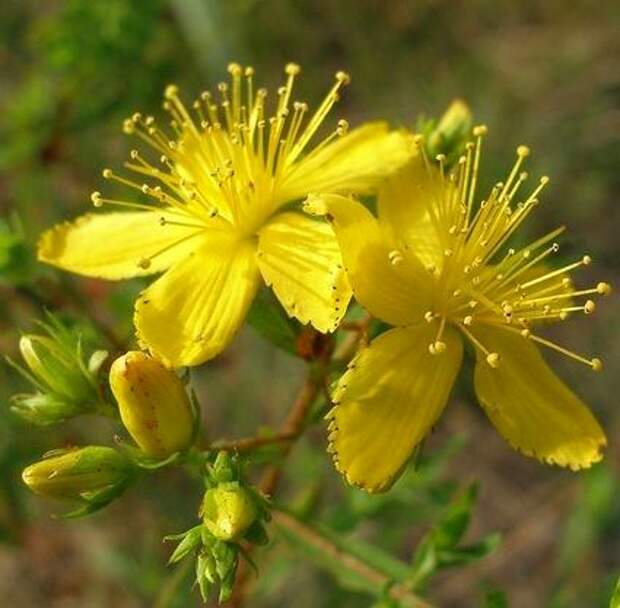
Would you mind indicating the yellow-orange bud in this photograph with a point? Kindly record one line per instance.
(228, 510)
(153, 404)
(76, 472)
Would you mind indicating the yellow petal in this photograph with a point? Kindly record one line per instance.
(529, 405)
(193, 311)
(355, 162)
(394, 292)
(403, 209)
(110, 245)
(300, 259)
(388, 400)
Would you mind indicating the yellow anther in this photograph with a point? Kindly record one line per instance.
(249, 71)
(523, 151)
(589, 307)
(493, 360)
(171, 91)
(234, 69)
(440, 158)
(480, 130)
(437, 347)
(429, 316)
(597, 364)
(586, 260)
(343, 77)
(544, 180)
(526, 333)
(95, 197)
(395, 257)
(603, 288)
(292, 69)
(107, 173)
(468, 320)
(144, 263)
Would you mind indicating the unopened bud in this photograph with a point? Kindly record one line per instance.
(452, 131)
(228, 510)
(153, 404)
(55, 368)
(77, 472)
(42, 409)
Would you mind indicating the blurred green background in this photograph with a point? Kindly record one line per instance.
(540, 73)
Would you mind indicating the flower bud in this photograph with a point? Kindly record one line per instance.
(153, 404)
(452, 131)
(228, 510)
(66, 384)
(43, 409)
(54, 367)
(77, 472)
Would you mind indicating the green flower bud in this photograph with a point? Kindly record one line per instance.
(66, 385)
(153, 404)
(51, 365)
(78, 472)
(449, 136)
(228, 510)
(43, 409)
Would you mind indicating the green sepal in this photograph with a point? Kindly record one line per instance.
(141, 460)
(189, 541)
(97, 501)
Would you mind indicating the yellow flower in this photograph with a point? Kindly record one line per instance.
(436, 267)
(213, 217)
(153, 404)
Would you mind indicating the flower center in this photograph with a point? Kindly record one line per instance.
(226, 159)
(479, 280)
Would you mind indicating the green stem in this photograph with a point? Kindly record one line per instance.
(353, 563)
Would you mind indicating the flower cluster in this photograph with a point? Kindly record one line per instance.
(238, 192)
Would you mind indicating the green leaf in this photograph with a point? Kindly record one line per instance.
(615, 598)
(439, 547)
(462, 556)
(455, 521)
(268, 318)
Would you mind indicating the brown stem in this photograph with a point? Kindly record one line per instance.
(349, 346)
(397, 591)
(293, 428)
(247, 444)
